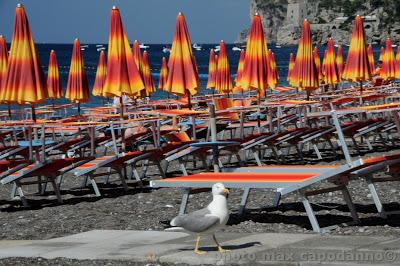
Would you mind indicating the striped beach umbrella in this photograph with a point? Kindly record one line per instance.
(138, 57)
(123, 77)
(371, 59)
(77, 85)
(239, 71)
(388, 71)
(305, 73)
(398, 63)
(357, 68)
(212, 70)
(101, 73)
(223, 79)
(340, 62)
(330, 69)
(256, 67)
(317, 60)
(54, 87)
(183, 77)
(163, 74)
(25, 81)
(290, 67)
(147, 78)
(274, 76)
(381, 54)
(3, 58)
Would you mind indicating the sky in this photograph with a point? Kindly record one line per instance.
(149, 21)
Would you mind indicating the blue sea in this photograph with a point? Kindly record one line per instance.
(91, 56)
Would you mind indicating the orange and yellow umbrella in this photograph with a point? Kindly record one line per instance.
(3, 58)
(147, 78)
(212, 70)
(163, 74)
(77, 85)
(137, 55)
(339, 62)
(183, 78)
(256, 67)
(305, 73)
(330, 68)
(388, 71)
(290, 67)
(274, 76)
(123, 77)
(398, 63)
(371, 59)
(25, 81)
(54, 87)
(239, 71)
(381, 54)
(223, 79)
(357, 66)
(100, 75)
(317, 60)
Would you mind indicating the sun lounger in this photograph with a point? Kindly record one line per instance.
(283, 180)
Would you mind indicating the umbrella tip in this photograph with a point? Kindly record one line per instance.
(51, 51)
(256, 14)
(19, 5)
(180, 13)
(222, 40)
(114, 7)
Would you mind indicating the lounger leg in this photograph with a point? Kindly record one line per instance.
(317, 151)
(160, 169)
(122, 178)
(185, 199)
(94, 185)
(376, 199)
(311, 216)
(21, 194)
(183, 168)
(13, 190)
(55, 188)
(243, 202)
(257, 158)
(350, 204)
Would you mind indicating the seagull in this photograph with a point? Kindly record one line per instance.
(207, 220)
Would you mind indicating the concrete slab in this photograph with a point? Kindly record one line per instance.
(177, 247)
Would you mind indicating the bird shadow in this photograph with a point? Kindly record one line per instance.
(210, 248)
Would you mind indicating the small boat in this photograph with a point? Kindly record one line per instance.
(143, 46)
(217, 48)
(236, 49)
(166, 50)
(278, 46)
(197, 47)
(100, 49)
(99, 45)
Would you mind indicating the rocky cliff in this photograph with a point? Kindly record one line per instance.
(328, 19)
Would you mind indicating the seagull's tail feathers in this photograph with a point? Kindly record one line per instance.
(174, 229)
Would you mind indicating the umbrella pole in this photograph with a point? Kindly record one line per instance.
(189, 100)
(33, 113)
(9, 111)
(308, 95)
(121, 106)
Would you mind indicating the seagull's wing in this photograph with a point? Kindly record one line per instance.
(197, 222)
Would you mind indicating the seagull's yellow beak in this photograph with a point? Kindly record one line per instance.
(226, 191)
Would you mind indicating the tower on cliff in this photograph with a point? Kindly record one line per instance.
(296, 13)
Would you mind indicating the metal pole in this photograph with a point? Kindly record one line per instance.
(341, 138)
(213, 124)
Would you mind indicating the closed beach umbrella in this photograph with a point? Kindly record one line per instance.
(100, 75)
(77, 85)
(371, 59)
(388, 71)
(357, 68)
(54, 87)
(137, 55)
(25, 81)
(305, 73)
(239, 71)
(398, 63)
(290, 67)
(183, 78)
(256, 67)
(381, 54)
(223, 79)
(330, 68)
(274, 76)
(340, 62)
(163, 74)
(317, 60)
(123, 77)
(212, 70)
(147, 78)
(3, 65)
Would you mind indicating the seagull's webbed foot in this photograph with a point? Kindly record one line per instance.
(200, 252)
(222, 250)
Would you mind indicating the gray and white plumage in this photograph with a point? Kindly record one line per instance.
(209, 219)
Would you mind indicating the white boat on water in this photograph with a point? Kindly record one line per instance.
(217, 48)
(99, 45)
(197, 47)
(166, 50)
(236, 49)
(100, 49)
(143, 46)
(278, 46)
